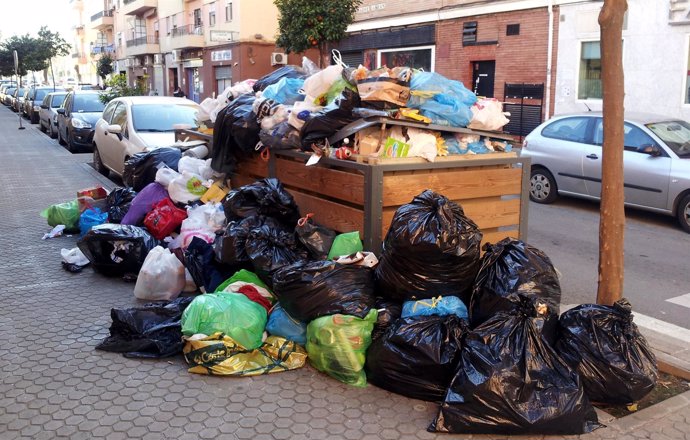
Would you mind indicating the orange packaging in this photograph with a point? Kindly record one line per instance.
(96, 193)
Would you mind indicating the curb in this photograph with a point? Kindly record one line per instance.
(654, 412)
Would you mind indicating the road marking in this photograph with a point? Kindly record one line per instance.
(656, 325)
(683, 300)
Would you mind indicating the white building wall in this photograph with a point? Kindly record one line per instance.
(655, 58)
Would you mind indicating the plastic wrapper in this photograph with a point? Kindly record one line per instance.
(337, 345)
(161, 277)
(430, 249)
(309, 290)
(388, 312)
(143, 202)
(345, 244)
(63, 214)
(235, 134)
(270, 248)
(317, 239)
(511, 270)
(116, 250)
(140, 169)
(164, 218)
(509, 381)
(285, 91)
(148, 331)
(119, 200)
(615, 362)
(264, 197)
(275, 76)
(221, 355)
(90, 218)
(280, 323)
(230, 313)
(330, 119)
(417, 356)
(444, 101)
(439, 306)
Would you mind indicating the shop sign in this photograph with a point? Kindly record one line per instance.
(222, 36)
(193, 63)
(221, 55)
(679, 12)
(371, 8)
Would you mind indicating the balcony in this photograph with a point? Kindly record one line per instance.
(142, 46)
(138, 7)
(102, 20)
(102, 49)
(185, 37)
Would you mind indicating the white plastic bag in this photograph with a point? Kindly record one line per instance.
(161, 278)
(165, 175)
(202, 221)
(487, 114)
(319, 83)
(74, 256)
(188, 187)
(192, 165)
(301, 106)
(280, 114)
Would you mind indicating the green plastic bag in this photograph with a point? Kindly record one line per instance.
(230, 313)
(337, 345)
(345, 244)
(243, 275)
(63, 214)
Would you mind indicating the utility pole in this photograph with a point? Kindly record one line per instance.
(16, 72)
(612, 216)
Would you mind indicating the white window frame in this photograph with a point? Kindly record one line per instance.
(684, 91)
(403, 49)
(579, 60)
(228, 7)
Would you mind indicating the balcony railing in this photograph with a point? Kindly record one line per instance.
(190, 29)
(102, 14)
(110, 48)
(148, 39)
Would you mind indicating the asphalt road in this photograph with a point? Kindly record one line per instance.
(657, 256)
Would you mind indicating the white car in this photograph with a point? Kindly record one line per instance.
(135, 124)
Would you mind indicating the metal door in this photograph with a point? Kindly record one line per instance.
(483, 73)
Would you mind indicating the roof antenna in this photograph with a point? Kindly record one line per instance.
(588, 109)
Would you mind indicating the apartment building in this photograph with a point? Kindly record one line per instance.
(82, 68)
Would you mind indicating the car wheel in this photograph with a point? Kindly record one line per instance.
(98, 162)
(542, 186)
(41, 127)
(70, 144)
(34, 118)
(51, 133)
(61, 141)
(684, 213)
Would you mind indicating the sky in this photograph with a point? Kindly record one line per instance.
(27, 16)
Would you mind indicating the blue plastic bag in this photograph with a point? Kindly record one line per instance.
(445, 101)
(439, 306)
(90, 218)
(282, 324)
(285, 91)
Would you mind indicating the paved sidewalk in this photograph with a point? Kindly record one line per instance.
(55, 385)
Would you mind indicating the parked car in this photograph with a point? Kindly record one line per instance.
(8, 96)
(76, 119)
(18, 99)
(32, 103)
(566, 159)
(47, 115)
(135, 124)
(3, 91)
(89, 87)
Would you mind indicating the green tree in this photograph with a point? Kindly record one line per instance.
(307, 24)
(34, 53)
(105, 66)
(118, 87)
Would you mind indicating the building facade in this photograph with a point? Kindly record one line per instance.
(82, 68)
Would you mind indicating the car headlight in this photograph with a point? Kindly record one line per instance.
(78, 123)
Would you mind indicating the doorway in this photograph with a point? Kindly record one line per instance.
(483, 73)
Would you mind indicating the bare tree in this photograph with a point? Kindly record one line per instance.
(612, 220)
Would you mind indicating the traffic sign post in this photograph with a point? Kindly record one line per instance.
(16, 72)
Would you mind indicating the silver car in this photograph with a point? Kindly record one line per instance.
(566, 159)
(47, 115)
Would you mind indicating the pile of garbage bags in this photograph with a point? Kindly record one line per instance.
(302, 106)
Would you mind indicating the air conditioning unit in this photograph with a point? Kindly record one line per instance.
(158, 58)
(176, 56)
(278, 58)
(148, 60)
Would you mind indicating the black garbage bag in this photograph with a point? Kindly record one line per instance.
(116, 250)
(288, 71)
(230, 246)
(205, 271)
(389, 312)
(263, 197)
(309, 290)
(431, 249)
(603, 344)
(281, 137)
(330, 119)
(140, 169)
(509, 381)
(271, 248)
(512, 269)
(417, 356)
(235, 134)
(317, 239)
(150, 331)
(119, 200)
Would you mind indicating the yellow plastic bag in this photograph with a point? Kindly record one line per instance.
(220, 355)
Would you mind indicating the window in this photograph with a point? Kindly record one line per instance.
(513, 29)
(167, 25)
(633, 139)
(58, 100)
(228, 12)
(223, 78)
(687, 79)
(416, 57)
(469, 33)
(567, 129)
(589, 86)
(212, 18)
(120, 116)
(108, 112)
(197, 17)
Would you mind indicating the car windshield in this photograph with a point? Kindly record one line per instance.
(41, 93)
(20, 93)
(675, 134)
(87, 103)
(58, 100)
(162, 117)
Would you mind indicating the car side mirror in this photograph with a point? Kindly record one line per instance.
(43, 106)
(61, 111)
(652, 150)
(115, 129)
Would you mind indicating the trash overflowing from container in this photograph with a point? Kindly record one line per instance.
(249, 281)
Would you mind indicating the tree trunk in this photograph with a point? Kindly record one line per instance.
(612, 219)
